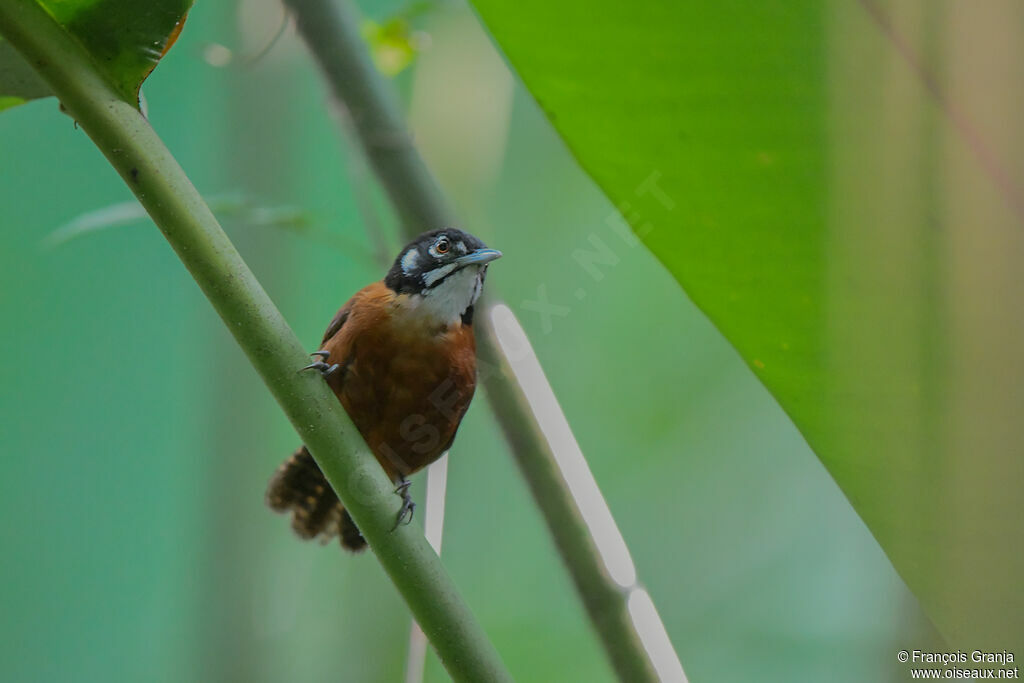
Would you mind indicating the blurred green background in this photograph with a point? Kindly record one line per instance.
(137, 440)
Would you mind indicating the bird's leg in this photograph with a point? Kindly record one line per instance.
(408, 506)
(320, 366)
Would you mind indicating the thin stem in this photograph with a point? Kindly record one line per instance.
(145, 164)
(330, 30)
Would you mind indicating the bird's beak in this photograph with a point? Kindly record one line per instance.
(478, 257)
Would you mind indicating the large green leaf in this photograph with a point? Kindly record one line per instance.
(849, 216)
(126, 38)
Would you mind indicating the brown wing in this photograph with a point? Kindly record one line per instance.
(354, 317)
(337, 322)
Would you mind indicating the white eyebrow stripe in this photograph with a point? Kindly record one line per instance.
(410, 260)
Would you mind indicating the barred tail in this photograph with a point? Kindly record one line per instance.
(300, 487)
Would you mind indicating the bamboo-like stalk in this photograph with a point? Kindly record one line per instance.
(140, 157)
(330, 30)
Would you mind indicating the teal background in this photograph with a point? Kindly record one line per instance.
(136, 441)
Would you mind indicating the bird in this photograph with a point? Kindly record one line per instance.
(400, 355)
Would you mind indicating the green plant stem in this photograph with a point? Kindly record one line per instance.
(145, 164)
(330, 29)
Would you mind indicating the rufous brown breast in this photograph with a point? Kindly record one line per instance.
(405, 382)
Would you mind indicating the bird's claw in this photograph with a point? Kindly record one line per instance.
(408, 509)
(320, 366)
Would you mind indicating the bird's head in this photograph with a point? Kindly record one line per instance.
(442, 272)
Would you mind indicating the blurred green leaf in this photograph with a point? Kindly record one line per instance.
(227, 207)
(18, 82)
(800, 171)
(126, 38)
(394, 43)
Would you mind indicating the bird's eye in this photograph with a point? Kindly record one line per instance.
(443, 246)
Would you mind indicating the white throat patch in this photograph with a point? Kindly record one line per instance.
(446, 302)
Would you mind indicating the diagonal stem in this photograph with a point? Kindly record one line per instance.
(145, 164)
(330, 30)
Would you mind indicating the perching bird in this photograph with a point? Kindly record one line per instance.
(401, 357)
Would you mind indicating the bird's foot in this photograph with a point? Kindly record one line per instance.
(408, 508)
(320, 366)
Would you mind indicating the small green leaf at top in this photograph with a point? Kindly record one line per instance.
(125, 38)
